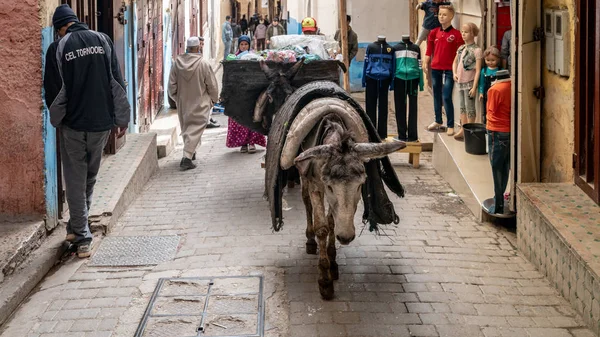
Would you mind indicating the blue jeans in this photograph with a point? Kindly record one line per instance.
(499, 153)
(443, 83)
(226, 49)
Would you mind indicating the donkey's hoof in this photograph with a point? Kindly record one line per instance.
(326, 290)
(335, 273)
(311, 248)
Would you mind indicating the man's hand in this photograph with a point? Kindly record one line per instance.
(268, 41)
(481, 97)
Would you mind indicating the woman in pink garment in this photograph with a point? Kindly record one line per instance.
(239, 135)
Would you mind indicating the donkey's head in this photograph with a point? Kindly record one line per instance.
(280, 86)
(342, 169)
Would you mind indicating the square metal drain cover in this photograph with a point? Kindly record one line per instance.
(207, 306)
(127, 251)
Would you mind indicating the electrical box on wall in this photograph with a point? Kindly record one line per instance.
(562, 54)
(549, 34)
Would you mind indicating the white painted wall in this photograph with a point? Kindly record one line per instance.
(379, 17)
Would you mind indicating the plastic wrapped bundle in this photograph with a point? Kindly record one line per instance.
(316, 44)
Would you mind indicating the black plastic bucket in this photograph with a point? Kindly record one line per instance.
(475, 138)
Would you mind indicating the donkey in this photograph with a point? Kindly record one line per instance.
(277, 92)
(334, 172)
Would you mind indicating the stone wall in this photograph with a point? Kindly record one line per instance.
(558, 112)
(558, 260)
(21, 129)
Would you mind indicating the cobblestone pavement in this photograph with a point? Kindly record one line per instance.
(437, 273)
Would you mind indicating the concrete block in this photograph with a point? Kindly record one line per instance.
(16, 287)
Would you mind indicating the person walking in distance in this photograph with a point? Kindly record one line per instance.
(237, 32)
(87, 98)
(260, 35)
(352, 40)
(244, 25)
(227, 36)
(274, 29)
(192, 84)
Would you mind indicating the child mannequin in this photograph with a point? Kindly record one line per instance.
(498, 126)
(488, 75)
(442, 44)
(466, 68)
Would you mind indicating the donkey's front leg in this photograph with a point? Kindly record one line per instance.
(325, 280)
(322, 232)
(311, 244)
(331, 252)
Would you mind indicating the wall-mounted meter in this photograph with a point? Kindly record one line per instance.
(549, 33)
(562, 55)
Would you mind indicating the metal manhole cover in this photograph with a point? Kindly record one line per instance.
(206, 306)
(126, 251)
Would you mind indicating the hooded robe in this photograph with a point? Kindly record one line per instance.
(192, 84)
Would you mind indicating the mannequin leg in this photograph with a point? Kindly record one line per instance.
(371, 100)
(400, 104)
(382, 119)
(413, 113)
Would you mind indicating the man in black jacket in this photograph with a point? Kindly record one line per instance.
(86, 96)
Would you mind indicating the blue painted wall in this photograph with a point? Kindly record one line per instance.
(49, 136)
(293, 26)
(130, 71)
(168, 54)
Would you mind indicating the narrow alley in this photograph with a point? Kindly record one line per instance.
(437, 273)
(133, 235)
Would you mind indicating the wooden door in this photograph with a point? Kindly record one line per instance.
(203, 16)
(150, 61)
(526, 70)
(110, 21)
(586, 158)
(194, 12)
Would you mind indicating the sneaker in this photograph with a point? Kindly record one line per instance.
(186, 164)
(450, 132)
(251, 148)
(84, 249)
(244, 149)
(70, 237)
(434, 126)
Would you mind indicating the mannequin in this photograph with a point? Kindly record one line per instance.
(442, 44)
(408, 77)
(378, 73)
(498, 126)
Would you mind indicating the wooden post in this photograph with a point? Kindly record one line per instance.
(344, 40)
(414, 19)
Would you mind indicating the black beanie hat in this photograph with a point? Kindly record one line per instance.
(62, 16)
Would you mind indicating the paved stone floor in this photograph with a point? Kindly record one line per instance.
(437, 273)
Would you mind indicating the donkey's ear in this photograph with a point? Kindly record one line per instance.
(290, 74)
(263, 66)
(305, 160)
(368, 151)
(269, 74)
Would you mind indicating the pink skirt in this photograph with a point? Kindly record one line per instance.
(239, 135)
